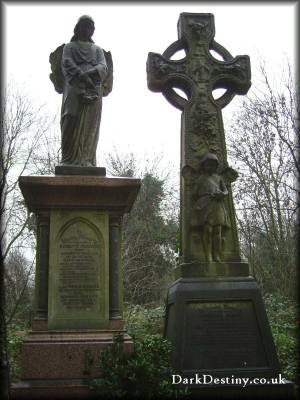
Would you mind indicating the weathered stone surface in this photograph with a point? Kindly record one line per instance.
(59, 364)
(79, 192)
(68, 354)
(215, 316)
(77, 170)
(220, 325)
(82, 71)
(78, 270)
(211, 269)
(209, 214)
(235, 321)
(51, 389)
(202, 131)
(79, 222)
(219, 329)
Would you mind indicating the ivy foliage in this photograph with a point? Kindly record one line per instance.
(283, 315)
(145, 373)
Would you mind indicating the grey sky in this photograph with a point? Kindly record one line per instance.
(135, 119)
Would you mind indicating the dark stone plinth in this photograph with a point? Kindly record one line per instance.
(78, 170)
(284, 391)
(219, 326)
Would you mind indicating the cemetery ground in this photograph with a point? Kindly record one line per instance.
(145, 324)
(267, 226)
(144, 307)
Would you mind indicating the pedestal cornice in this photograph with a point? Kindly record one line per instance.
(115, 194)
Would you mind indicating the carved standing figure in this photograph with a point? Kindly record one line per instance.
(209, 192)
(82, 71)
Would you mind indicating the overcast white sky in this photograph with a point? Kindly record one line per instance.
(133, 118)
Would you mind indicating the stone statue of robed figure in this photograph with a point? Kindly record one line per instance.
(82, 71)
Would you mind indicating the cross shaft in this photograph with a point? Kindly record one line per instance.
(202, 131)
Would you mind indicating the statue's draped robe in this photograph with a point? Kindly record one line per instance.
(81, 105)
(211, 211)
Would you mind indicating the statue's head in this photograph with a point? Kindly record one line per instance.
(209, 162)
(84, 29)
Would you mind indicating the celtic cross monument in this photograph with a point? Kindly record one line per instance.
(202, 133)
(215, 316)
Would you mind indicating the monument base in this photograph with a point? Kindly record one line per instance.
(211, 269)
(78, 286)
(51, 389)
(284, 391)
(60, 364)
(78, 170)
(218, 328)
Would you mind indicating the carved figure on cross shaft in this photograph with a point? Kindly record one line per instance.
(210, 192)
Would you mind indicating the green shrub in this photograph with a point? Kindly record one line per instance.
(15, 335)
(284, 321)
(145, 373)
(143, 320)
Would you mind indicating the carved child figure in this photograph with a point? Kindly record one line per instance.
(210, 192)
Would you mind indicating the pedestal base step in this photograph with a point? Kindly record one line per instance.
(60, 364)
(284, 391)
(51, 389)
(67, 355)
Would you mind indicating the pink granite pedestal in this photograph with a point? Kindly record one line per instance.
(59, 363)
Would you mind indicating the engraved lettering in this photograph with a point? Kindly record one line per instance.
(78, 268)
(235, 323)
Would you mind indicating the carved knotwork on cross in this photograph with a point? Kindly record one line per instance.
(198, 74)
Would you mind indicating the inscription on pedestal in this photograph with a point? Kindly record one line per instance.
(78, 295)
(78, 269)
(221, 335)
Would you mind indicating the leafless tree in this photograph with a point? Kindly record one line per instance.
(150, 230)
(24, 127)
(263, 142)
(19, 286)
